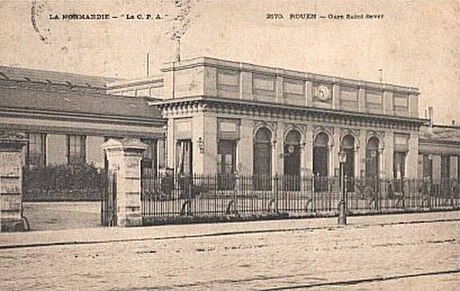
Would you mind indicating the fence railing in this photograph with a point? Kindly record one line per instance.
(217, 195)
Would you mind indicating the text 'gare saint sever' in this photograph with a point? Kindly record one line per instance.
(299, 16)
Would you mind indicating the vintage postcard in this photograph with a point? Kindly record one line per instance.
(229, 145)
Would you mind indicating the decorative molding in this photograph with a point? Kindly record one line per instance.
(272, 126)
(329, 131)
(353, 132)
(301, 128)
(380, 135)
(288, 112)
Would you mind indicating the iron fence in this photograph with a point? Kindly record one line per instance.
(217, 195)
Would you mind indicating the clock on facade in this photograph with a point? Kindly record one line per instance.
(323, 93)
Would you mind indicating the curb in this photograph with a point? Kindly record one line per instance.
(224, 233)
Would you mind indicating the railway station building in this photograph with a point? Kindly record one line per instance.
(212, 116)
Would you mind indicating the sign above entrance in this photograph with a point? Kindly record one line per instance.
(229, 128)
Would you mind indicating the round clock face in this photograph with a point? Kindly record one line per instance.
(323, 93)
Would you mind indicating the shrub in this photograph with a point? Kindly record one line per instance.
(62, 182)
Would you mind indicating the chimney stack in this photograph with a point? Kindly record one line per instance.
(430, 115)
(453, 122)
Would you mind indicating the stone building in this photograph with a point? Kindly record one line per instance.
(225, 116)
(209, 116)
(439, 152)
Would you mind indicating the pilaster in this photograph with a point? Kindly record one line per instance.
(412, 157)
(388, 102)
(308, 151)
(204, 128)
(388, 151)
(308, 93)
(334, 150)
(361, 99)
(246, 85)
(278, 150)
(336, 96)
(245, 155)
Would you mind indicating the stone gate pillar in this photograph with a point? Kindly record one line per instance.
(124, 159)
(11, 145)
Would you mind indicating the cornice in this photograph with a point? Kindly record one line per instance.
(426, 141)
(155, 80)
(284, 111)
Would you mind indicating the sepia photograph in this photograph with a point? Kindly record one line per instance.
(229, 145)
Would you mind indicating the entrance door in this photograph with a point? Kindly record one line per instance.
(399, 166)
(348, 146)
(320, 162)
(292, 161)
(372, 158)
(226, 156)
(262, 160)
(184, 157)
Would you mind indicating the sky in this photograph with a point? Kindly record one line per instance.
(416, 43)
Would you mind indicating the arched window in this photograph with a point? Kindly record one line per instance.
(292, 160)
(372, 158)
(292, 153)
(321, 155)
(262, 159)
(348, 146)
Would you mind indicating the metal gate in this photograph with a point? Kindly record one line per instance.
(109, 200)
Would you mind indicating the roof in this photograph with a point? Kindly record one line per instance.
(21, 74)
(442, 134)
(77, 102)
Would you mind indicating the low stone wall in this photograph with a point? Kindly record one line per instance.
(194, 219)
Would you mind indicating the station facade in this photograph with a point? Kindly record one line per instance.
(226, 117)
(211, 116)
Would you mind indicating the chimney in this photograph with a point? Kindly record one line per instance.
(430, 115)
(177, 50)
(453, 122)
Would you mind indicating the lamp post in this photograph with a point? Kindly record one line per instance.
(342, 203)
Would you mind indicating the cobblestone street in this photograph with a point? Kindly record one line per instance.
(397, 252)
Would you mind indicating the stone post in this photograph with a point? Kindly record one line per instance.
(124, 158)
(11, 145)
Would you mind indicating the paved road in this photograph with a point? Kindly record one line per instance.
(389, 256)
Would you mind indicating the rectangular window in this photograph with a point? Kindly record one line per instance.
(184, 157)
(76, 149)
(427, 166)
(36, 150)
(226, 151)
(149, 159)
(445, 167)
(399, 165)
(226, 163)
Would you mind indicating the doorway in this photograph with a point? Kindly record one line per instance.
(292, 161)
(262, 159)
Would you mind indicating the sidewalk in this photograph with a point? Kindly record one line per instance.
(108, 235)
